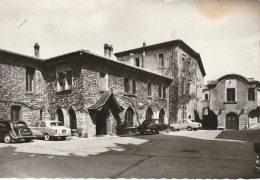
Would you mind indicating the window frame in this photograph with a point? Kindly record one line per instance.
(149, 89)
(231, 94)
(161, 60)
(126, 85)
(30, 79)
(251, 94)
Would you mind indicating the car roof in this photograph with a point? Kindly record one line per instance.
(11, 121)
(48, 121)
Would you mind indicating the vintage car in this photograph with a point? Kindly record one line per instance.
(152, 126)
(186, 124)
(50, 129)
(11, 131)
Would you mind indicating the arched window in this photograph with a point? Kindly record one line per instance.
(149, 113)
(206, 97)
(129, 116)
(161, 116)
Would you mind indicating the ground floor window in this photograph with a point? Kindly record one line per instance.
(149, 114)
(129, 116)
(15, 113)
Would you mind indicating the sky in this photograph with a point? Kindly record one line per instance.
(226, 33)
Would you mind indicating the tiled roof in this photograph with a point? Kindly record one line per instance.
(21, 55)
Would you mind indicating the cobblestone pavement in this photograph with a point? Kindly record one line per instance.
(183, 154)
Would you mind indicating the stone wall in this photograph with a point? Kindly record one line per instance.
(13, 88)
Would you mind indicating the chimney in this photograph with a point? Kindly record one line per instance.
(36, 50)
(144, 44)
(106, 50)
(110, 51)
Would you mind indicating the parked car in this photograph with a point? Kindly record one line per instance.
(11, 131)
(186, 124)
(153, 126)
(50, 129)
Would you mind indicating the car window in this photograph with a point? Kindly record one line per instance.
(192, 120)
(2, 125)
(56, 124)
(19, 124)
(43, 124)
(37, 124)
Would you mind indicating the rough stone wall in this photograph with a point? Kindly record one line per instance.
(86, 91)
(13, 88)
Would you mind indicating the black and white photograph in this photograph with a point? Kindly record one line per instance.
(143, 89)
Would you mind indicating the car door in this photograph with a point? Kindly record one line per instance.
(35, 130)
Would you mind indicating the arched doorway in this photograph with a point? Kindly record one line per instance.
(161, 116)
(129, 117)
(232, 121)
(149, 113)
(73, 119)
(60, 115)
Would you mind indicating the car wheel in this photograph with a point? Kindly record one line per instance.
(46, 137)
(189, 128)
(63, 138)
(178, 130)
(142, 133)
(168, 130)
(7, 139)
(195, 129)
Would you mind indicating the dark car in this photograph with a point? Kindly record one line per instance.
(153, 126)
(11, 131)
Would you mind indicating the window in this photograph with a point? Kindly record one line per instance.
(41, 114)
(103, 82)
(30, 78)
(137, 62)
(231, 94)
(164, 92)
(43, 124)
(160, 91)
(133, 86)
(251, 94)
(126, 85)
(149, 89)
(161, 60)
(161, 116)
(15, 112)
(149, 113)
(129, 114)
(206, 97)
(183, 86)
(64, 80)
(188, 89)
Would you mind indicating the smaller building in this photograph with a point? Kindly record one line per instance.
(231, 102)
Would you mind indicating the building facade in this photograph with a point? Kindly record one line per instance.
(233, 102)
(91, 94)
(176, 60)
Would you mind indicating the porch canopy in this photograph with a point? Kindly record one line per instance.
(108, 99)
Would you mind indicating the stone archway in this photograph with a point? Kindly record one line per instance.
(60, 115)
(161, 115)
(232, 121)
(149, 113)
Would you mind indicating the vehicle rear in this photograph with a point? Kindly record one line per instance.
(146, 127)
(20, 131)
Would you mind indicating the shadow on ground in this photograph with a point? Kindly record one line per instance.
(162, 156)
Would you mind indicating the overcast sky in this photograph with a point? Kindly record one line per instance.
(225, 33)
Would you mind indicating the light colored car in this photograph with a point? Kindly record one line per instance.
(49, 129)
(186, 124)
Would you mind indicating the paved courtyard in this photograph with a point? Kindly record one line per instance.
(183, 154)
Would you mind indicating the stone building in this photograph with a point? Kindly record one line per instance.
(93, 94)
(176, 60)
(233, 102)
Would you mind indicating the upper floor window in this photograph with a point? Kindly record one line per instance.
(30, 78)
(188, 89)
(251, 94)
(149, 89)
(64, 80)
(161, 60)
(137, 62)
(164, 92)
(133, 86)
(206, 97)
(126, 85)
(103, 82)
(231, 94)
(160, 91)
(183, 86)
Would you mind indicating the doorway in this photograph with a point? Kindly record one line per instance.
(232, 121)
(101, 123)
